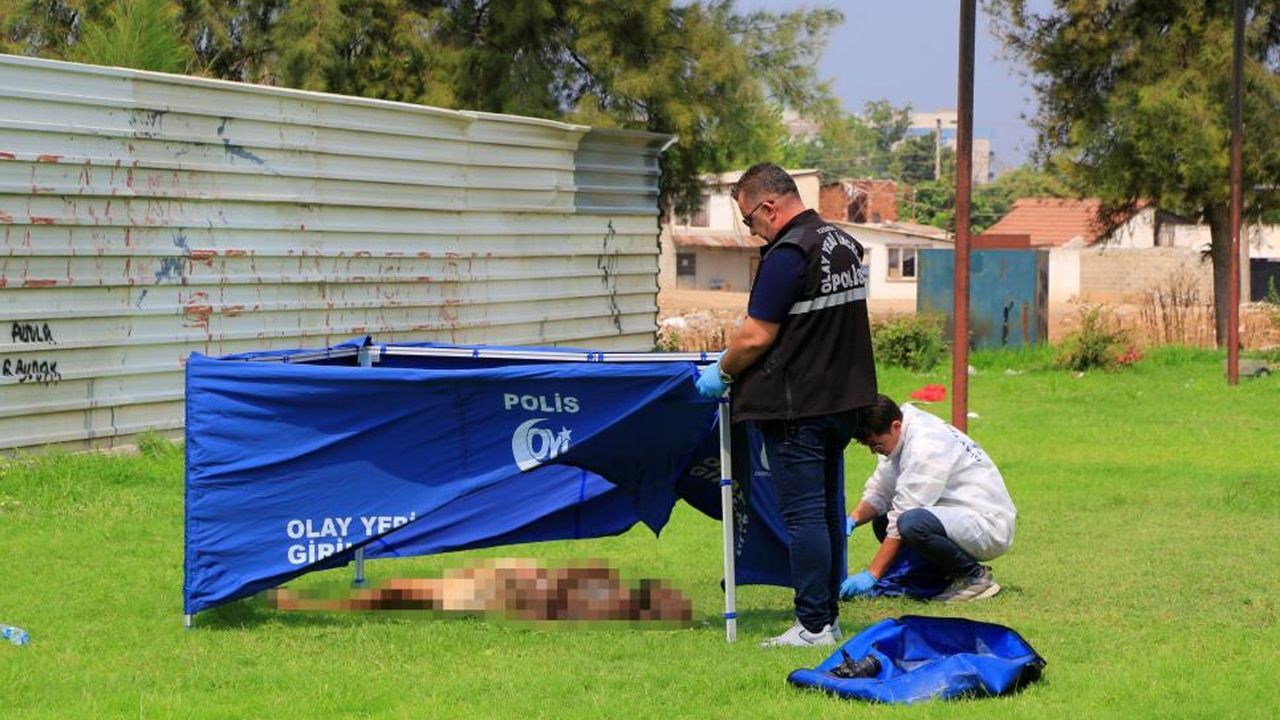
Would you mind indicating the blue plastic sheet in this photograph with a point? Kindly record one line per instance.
(912, 575)
(924, 658)
(292, 466)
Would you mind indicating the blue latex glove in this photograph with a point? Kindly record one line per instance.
(710, 384)
(849, 525)
(856, 585)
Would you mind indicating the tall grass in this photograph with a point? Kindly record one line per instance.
(1144, 571)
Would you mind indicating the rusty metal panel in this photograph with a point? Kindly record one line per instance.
(1009, 305)
(146, 216)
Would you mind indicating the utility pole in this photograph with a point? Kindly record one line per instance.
(937, 150)
(964, 181)
(1237, 200)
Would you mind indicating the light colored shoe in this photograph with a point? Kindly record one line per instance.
(967, 589)
(797, 636)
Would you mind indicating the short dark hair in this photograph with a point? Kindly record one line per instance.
(876, 418)
(764, 178)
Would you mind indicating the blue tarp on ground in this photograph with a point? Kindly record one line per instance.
(292, 466)
(923, 658)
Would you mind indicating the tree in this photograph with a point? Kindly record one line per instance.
(141, 34)
(888, 126)
(912, 160)
(1135, 97)
(843, 147)
(698, 69)
(852, 146)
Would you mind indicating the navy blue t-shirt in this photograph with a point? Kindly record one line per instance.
(779, 285)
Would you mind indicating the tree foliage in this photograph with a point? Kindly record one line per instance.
(859, 146)
(913, 160)
(701, 70)
(1135, 96)
(933, 202)
(141, 34)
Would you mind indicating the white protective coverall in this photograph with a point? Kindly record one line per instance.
(935, 466)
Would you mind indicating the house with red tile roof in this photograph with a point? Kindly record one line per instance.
(1149, 250)
(1045, 223)
(1086, 261)
(1059, 222)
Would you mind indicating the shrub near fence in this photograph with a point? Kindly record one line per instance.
(913, 342)
(1101, 342)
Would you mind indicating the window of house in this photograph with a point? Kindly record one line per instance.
(902, 263)
(686, 264)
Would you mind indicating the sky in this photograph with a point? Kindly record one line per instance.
(907, 52)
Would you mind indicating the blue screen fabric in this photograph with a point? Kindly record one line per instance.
(291, 466)
(924, 658)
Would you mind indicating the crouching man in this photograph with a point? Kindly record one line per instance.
(935, 491)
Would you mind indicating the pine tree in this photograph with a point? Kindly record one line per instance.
(139, 34)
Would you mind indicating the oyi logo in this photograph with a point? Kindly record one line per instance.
(532, 445)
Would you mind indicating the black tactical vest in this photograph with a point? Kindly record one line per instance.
(821, 361)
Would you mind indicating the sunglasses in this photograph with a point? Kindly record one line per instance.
(746, 219)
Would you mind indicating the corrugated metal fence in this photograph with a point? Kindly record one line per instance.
(146, 216)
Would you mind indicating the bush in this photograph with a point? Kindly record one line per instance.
(911, 341)
(1099, 343)
(667, 339)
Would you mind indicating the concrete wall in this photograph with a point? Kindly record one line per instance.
(721, 209)
(810, 186)
(1124, 275)
(1264, 242)
(1139, 232)
(1064, 274)
(666, 259)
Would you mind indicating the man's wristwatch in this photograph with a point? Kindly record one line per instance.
(725, 377)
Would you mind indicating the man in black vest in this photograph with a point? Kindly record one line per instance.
(800, 366)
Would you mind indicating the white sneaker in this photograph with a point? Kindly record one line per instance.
(967, 589)
(797, 636)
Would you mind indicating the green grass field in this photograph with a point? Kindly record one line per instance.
(1145, 572)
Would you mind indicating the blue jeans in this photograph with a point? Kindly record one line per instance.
(806, 457)
(923, 532)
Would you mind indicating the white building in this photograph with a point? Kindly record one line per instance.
(891, 258)
(714, 251)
